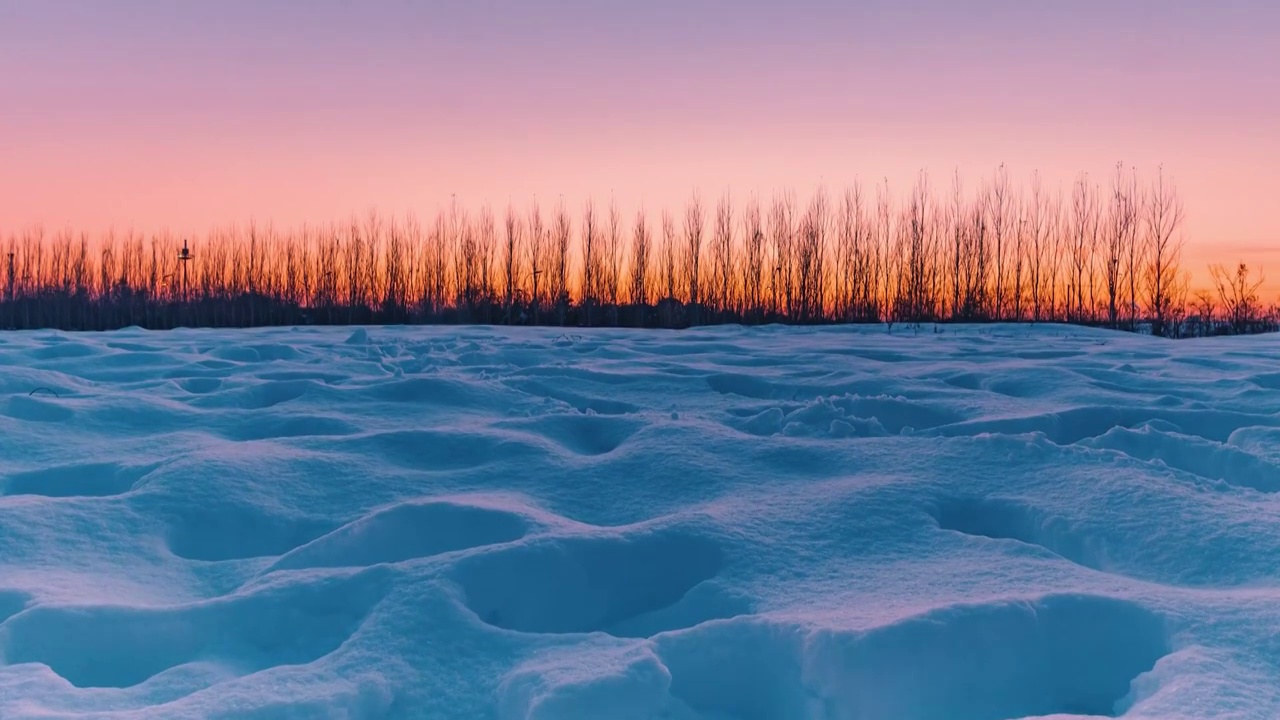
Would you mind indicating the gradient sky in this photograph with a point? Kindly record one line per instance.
(182, 115)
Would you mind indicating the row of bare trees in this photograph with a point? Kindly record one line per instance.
(1093, 252)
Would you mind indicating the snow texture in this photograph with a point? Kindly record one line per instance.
(982, 523)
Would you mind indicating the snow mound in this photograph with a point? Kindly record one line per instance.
(987, 523)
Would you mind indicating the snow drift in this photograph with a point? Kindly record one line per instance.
(983, 523)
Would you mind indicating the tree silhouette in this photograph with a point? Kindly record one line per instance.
(998, 253)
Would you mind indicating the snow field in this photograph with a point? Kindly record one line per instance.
(984, 523)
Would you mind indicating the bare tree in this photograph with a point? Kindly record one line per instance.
(958, 256)
(782, 235)
(998, 207)
(722, 254)
(754, 263)
(561, 234)
(1175, 325)
(692, 271)
(1121, 218)
(374, 276)
(848, 226)
(890, 266)
(640, 261)
(865, 257)
(669, 241)
(1237, 295)
(1094, 241)
(486, 242)
(915, 288)
(1083, 213)
(434, 264)
(353, 256)
(537, 251)
(613, 272)
(1038, 234)
(1021, 242)
(1204, 306)
(972, 264)
(1058, 250)
(1164, 217)
(1133, 248)
(510, 263)
(401, 241)
(590, 292)
(811, 259)
(468, 267)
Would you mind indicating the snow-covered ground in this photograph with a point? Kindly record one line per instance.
(985, 523)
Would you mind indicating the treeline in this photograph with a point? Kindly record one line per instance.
(1091, 253)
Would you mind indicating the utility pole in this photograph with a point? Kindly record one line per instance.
(183, 257)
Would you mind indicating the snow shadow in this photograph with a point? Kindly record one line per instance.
(1002, 519)
(1068, 654)
(85, 480)
(628, 587)
(123, 646)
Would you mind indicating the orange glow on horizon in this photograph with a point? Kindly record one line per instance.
(191, 117)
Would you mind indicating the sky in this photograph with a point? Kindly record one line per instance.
(184, 115)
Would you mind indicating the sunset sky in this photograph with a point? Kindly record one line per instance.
(184, 115)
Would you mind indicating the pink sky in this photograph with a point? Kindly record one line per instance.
(139, 114)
